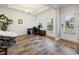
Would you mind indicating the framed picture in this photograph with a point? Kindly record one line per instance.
(20, 21)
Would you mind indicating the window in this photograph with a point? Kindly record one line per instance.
(69, 23)
(50, 25)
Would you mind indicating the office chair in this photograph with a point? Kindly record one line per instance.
(35, 30)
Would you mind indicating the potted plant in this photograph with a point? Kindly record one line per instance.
(4, 22)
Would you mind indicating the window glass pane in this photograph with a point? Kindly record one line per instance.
(69, 24)
(50, 25)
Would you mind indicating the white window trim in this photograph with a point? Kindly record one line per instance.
(64, 25)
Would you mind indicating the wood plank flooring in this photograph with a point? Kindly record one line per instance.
(37, 45)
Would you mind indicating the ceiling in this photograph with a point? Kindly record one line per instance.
(59, 5)
(35, 8)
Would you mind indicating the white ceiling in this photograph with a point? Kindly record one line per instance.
(59, 5)
(34, 8)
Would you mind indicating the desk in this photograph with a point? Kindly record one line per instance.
(42, 32)
(7, 38)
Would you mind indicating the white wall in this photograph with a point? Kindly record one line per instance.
(28, 20)
(44, 17)
(70, 10)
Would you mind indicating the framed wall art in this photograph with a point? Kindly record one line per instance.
(20, 21)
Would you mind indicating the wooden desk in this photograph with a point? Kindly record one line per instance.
(6, 38)
(6, 42)
(39, 32)
(42, 32)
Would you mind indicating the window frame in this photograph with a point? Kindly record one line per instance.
(72, 32)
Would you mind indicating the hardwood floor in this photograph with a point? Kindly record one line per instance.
(37, 45)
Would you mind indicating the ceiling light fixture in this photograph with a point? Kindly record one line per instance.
(29, 11)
